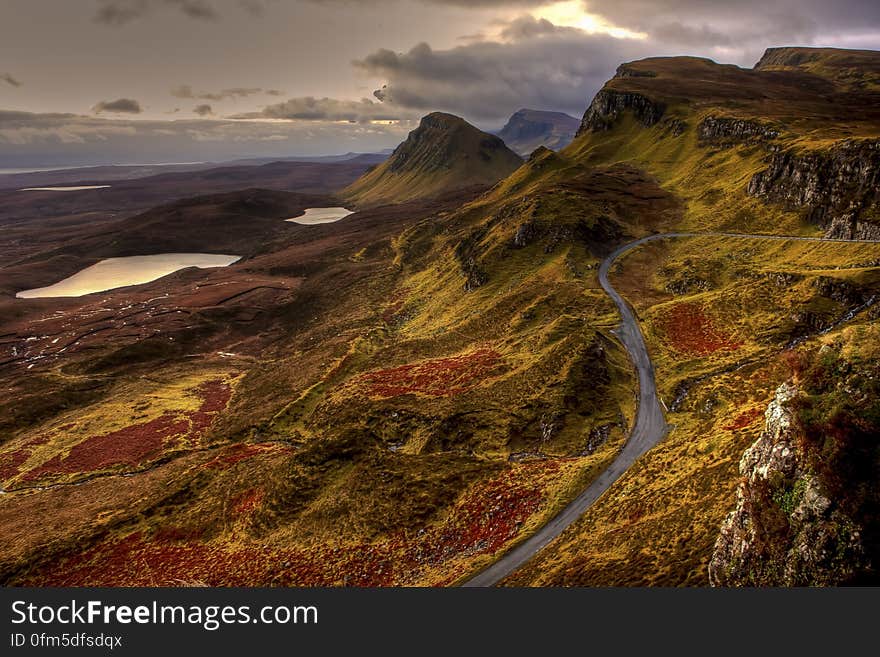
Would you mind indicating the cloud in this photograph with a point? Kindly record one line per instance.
(7, 78)
(29, 138)
(120, 12)
(476, 4)
(118, 106)
(741, 28)
(539, 65)
(203, 110)
(309, 108)
(186, 91)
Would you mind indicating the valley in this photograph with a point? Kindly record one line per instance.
(462, 366)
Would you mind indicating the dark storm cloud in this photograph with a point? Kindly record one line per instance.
(308, 108)
(120, 12)
(8, 79)
(186, 91)
(118, 106)
(545, 68)
(203, 110)
(744, 25)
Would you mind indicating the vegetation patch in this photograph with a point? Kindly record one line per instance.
(131, 446)
(691, 330)
(440, 377)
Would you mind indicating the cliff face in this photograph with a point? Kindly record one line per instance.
(839, 187)
(608, 105)
(727, 131)
(785, 529)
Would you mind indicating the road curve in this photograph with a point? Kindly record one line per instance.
(650, 425)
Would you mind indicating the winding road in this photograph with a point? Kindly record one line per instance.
(650, 426)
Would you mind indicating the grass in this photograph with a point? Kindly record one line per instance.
(657, 525)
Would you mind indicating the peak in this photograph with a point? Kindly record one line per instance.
(443, 119)
(444, 152)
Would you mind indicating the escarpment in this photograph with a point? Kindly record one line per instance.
(727, 131)
(608, 104)
(839, 188)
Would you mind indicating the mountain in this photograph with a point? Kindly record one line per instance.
(855, 68)
(444, 153)
(527, 129)
(400, 398)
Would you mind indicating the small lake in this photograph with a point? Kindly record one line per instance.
(120, 272)
(69, 188)
(312, 216)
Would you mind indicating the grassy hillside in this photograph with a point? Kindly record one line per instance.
(399, 397)
(444, 153)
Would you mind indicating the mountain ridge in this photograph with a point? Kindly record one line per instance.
(527, 129)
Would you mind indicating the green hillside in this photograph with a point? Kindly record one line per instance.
(444, 153)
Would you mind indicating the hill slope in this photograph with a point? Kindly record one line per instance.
(527, 129)
(444, 153)
(399, 398)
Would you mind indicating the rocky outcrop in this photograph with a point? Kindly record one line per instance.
(726, 131)
(608, 105)
(837, 187)
(627, 71)
(786, 528)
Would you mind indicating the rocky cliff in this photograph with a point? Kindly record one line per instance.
(839, 188)
(608, 104)
(728, 131)
(806, 508)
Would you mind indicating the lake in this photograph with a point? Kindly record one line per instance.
(312, 216)
(120, 272)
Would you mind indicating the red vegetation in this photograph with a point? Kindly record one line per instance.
(10, 462)
(240, 452)
(395, 305)
(692, 331)
(487, 517)
(215, 396)
(245, 503)
(440, 377)
(129, 446)
(140, 443)
(745, 419)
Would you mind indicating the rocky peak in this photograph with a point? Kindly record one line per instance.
(443, 153)
(442, 138)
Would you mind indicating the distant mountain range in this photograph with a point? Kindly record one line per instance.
(527, 129)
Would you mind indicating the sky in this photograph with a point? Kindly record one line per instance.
(136, 81)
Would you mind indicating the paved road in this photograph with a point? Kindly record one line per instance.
(650, 425)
